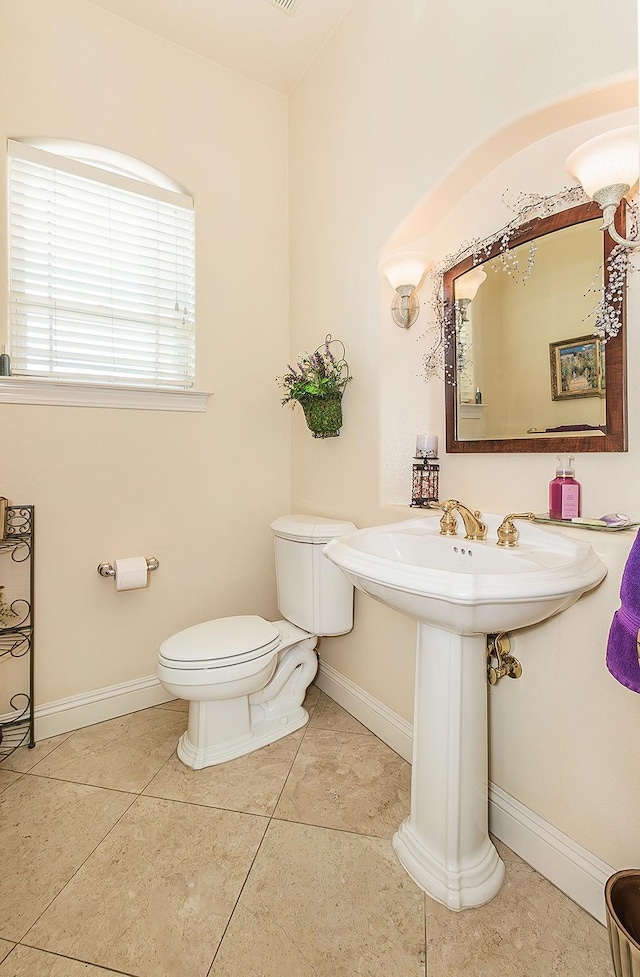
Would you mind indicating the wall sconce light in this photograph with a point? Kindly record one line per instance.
(405, 272)
(607, 167)
(466, 289)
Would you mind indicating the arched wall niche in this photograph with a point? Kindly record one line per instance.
(485, 157)
(469, 202)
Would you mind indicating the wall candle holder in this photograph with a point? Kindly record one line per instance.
(425, 489)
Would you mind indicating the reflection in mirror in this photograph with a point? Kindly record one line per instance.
(465, 291)
(529, 370)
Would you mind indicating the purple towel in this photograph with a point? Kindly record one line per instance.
(623, 647)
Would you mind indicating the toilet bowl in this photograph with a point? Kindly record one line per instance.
(246, 678)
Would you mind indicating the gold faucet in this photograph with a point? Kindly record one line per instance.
(475, 528)
(507, 533)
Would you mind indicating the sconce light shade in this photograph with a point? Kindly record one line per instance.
(607, 167)
(404, 271)
(405, 268)
(467, 285)
(611, 159)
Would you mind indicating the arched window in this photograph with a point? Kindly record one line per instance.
(102, 281)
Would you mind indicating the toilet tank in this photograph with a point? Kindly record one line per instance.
(312, 592)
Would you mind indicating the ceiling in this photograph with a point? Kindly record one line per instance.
(253, 37)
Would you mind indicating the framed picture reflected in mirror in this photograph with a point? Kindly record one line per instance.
(576, 368)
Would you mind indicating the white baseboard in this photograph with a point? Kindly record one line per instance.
(88, 708)
(391, 728)
(570, 867)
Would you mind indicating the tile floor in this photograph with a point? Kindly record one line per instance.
(117, 859)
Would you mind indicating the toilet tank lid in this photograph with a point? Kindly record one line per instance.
(311, 529)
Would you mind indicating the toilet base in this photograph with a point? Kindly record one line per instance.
(224, 726)
(263, 731)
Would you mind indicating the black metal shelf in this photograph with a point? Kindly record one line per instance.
(17, 639)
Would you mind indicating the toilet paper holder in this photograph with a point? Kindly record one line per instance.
(107, 570)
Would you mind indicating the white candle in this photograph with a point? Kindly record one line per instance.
(421, 445)
(431, 446)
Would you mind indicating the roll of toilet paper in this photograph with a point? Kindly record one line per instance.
(131, 573)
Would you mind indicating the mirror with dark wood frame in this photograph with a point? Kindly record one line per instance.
(526, 371)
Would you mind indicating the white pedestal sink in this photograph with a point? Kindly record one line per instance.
(459, 591)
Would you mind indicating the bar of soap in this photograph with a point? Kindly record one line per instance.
(615, 519)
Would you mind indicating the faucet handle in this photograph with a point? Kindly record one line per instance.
(448, 523)
(507, 533)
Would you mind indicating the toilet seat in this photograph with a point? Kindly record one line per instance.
(220, 643)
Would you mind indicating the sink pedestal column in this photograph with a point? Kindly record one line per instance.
(444, 844)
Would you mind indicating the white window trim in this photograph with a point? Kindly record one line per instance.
(69, 393)
(105, 160)
(91, 171)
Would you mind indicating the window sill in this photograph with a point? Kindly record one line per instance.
(68, 393)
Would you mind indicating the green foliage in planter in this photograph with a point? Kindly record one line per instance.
(317, 382)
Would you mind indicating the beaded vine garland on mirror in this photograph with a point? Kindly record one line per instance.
(527, 207)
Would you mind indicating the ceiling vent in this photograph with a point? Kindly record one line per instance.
(288, 6)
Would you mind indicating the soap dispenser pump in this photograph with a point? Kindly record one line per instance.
(565, 493)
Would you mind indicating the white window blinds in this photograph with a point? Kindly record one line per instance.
(101, 274)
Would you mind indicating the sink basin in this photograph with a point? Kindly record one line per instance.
(466, 586)
(459, 590)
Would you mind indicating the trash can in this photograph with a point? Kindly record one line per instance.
(622, 899)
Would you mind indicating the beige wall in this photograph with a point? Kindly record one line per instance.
(407, 109)
(195, 490)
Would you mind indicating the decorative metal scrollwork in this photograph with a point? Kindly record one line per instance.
(19, 520)
(15, 643)
(14, 732)
(18, 532)
(16, 633)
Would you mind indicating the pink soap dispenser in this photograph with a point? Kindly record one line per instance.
(565, 493)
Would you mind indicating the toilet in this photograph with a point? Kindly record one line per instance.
(246, 678)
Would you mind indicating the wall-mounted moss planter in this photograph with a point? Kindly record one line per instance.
(323, 415)
(317, 382)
